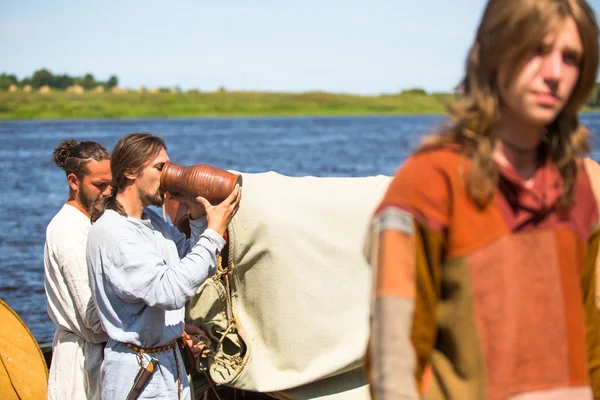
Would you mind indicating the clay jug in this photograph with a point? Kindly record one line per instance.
(212, 183)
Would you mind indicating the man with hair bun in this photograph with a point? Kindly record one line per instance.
(79, 338)
(484, 245)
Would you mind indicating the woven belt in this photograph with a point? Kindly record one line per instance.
(151, 350)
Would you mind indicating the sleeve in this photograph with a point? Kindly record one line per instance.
(138, 272)
(405, 252)
(184, 245)
(592, 320)
(71, 252)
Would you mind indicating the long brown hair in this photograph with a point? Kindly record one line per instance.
(73, 157)
(509, 32)
(130, 155)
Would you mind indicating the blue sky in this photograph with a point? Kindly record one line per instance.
(365, 47)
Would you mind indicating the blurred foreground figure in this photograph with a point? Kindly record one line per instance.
(484, 245)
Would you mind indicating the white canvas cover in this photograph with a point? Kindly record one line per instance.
(593, 170)
(300, 289)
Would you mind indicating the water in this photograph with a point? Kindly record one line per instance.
(33, 189)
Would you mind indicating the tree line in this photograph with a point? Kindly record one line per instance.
(594, 101)
(43, 77)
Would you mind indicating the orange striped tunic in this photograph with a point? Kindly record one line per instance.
(499, 302)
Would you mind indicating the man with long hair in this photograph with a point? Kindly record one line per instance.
(484, 245)
(143, 270)
(78, 340)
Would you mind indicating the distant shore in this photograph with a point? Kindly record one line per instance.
(164, 104)
(63, 105)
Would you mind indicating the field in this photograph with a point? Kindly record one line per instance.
(62, 105)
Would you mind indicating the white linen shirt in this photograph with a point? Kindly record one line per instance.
(77, 349)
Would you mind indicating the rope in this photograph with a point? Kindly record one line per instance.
(228, 297)
(223, 274)
(178, 373)
(207, 351)
(212, 385)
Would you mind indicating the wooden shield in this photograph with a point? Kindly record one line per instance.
(23, 371)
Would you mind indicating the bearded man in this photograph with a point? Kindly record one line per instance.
(79, 338)
(143, 270)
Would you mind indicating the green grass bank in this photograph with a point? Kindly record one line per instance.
(62, 105)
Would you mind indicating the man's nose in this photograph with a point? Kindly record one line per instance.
(106, 191)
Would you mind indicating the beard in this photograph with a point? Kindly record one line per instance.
(154, 199)
(86, 200)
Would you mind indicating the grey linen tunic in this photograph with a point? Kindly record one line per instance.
(142, 272)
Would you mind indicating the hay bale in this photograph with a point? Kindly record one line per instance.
(78, 89)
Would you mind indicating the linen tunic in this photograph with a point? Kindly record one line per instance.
(77, 349)
(142, 273)
(498, 301)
